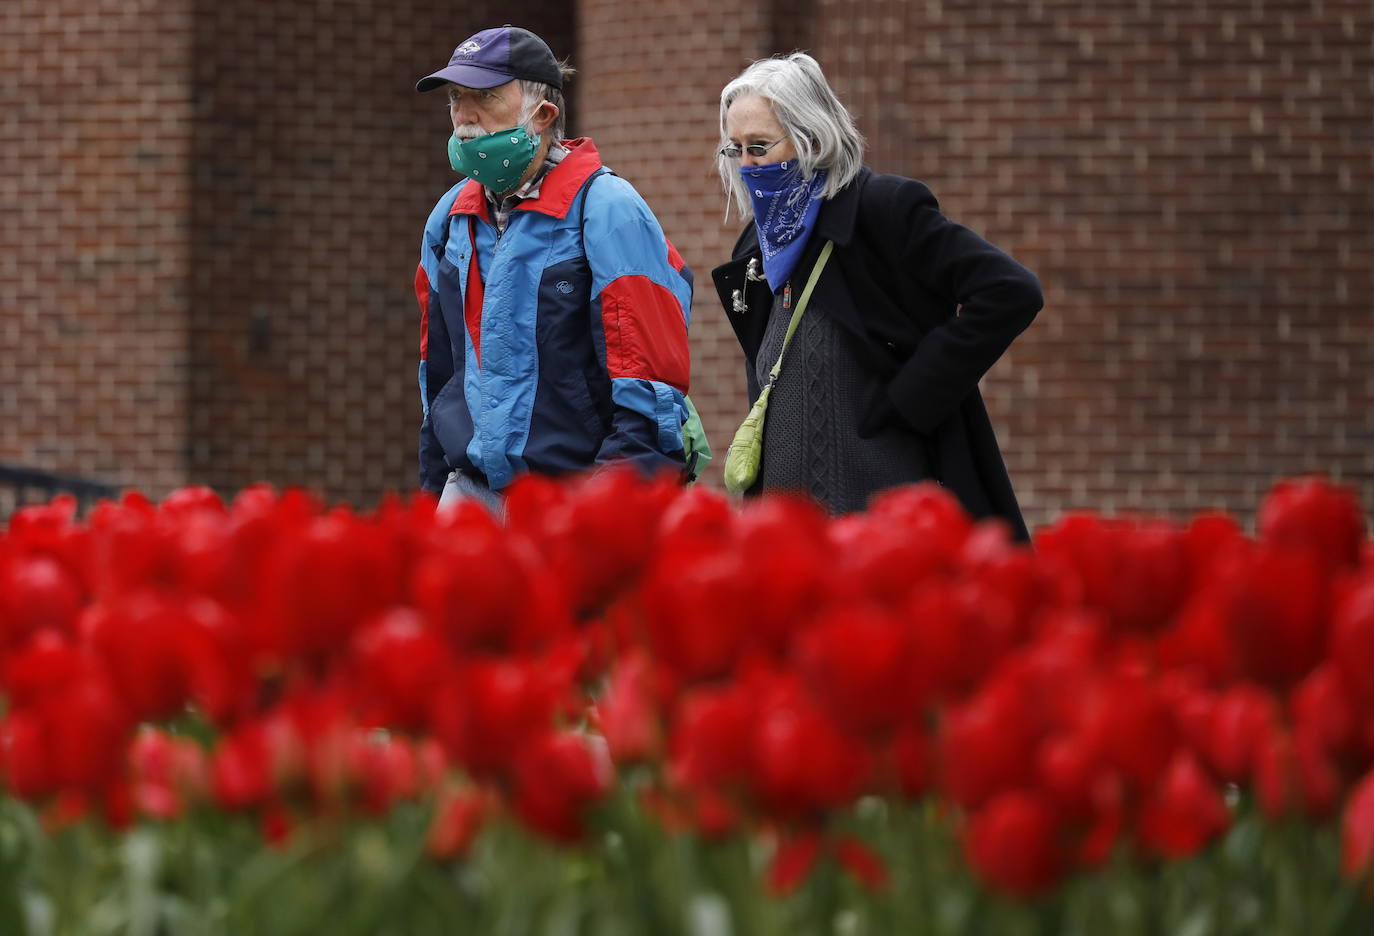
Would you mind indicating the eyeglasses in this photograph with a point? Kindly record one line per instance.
(735, 151)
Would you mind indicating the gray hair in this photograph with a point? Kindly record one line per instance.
(821, 128)
(534, 93)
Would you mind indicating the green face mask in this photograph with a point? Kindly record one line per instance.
(496, 160)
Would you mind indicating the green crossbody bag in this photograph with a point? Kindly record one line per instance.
(745, 453)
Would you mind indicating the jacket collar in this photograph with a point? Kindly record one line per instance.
(840, 213)
(556, 193)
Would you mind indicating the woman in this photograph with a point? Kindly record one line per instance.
(879, 385)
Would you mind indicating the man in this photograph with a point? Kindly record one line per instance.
(553, 310)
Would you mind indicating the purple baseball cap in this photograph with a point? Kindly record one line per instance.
(494, 56)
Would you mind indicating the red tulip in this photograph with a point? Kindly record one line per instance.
(133, 551)
(1012, 843)
(1031, 588)
(46, 666)
(213, 647)
(912, 759)
(803, 763)
(1351, 648)
(696, 603)
(797, 855)
(241, 770)
(1314, 515)
(910, 537)
(458, 817)
(322, 582)
(1184, 813)
(204, 554)
(792, 863)
(1136, 572)
(86, 728)
(65, 715)
(927, 513)
(37, 592)
(987, 745)
(137, 637)
(493, 709)
(386, 769)
(714, 814)
(1106, 822)
(51, 531)
(1061, 663)
(1199, 639)
(24, 757)
(1241, 718)
(1192, 705)
(1357, 829)
(557, 778)
(699, 518)
(711, 737)
(1294, 775)
(166, 773)
(959, 634)
(486, 588)
(791, 569)
(400, 664)
(863, 864)
(878, 562)
(1151, 579)
(1212, 538)
(859, 663)
(1069, 770)
(613, 508)
(1126, 717)
(1324, 708)
(276, 825)
(628, 713)
(1277, 606)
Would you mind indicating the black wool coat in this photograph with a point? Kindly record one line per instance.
(929, 306)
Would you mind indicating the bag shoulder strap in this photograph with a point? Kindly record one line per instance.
(801, 307)
(582, 201)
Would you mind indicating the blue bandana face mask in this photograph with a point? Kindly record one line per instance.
(785, 209)
(496, 160)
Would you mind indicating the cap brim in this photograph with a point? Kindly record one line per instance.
(469, 76)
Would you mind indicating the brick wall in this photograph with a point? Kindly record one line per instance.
(205, 252)
(93, 200)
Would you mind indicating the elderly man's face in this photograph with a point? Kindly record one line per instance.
(478, 111)
(750, 120)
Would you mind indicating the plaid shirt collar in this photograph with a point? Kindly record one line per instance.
(502, 207)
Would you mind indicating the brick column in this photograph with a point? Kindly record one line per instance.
(94, 200)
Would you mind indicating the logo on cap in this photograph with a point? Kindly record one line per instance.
(468, 49)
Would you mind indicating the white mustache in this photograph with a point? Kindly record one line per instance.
(468, 131)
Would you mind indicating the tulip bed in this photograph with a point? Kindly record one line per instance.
(632, 708)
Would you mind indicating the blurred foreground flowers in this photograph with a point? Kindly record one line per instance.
(632, 708)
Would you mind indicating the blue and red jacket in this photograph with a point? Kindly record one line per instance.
(558, 345)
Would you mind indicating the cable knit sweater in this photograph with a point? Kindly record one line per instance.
(810, 439)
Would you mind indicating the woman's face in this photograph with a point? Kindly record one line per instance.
(750, 120)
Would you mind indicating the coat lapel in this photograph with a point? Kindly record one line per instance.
(746, 303)
(837, 220)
